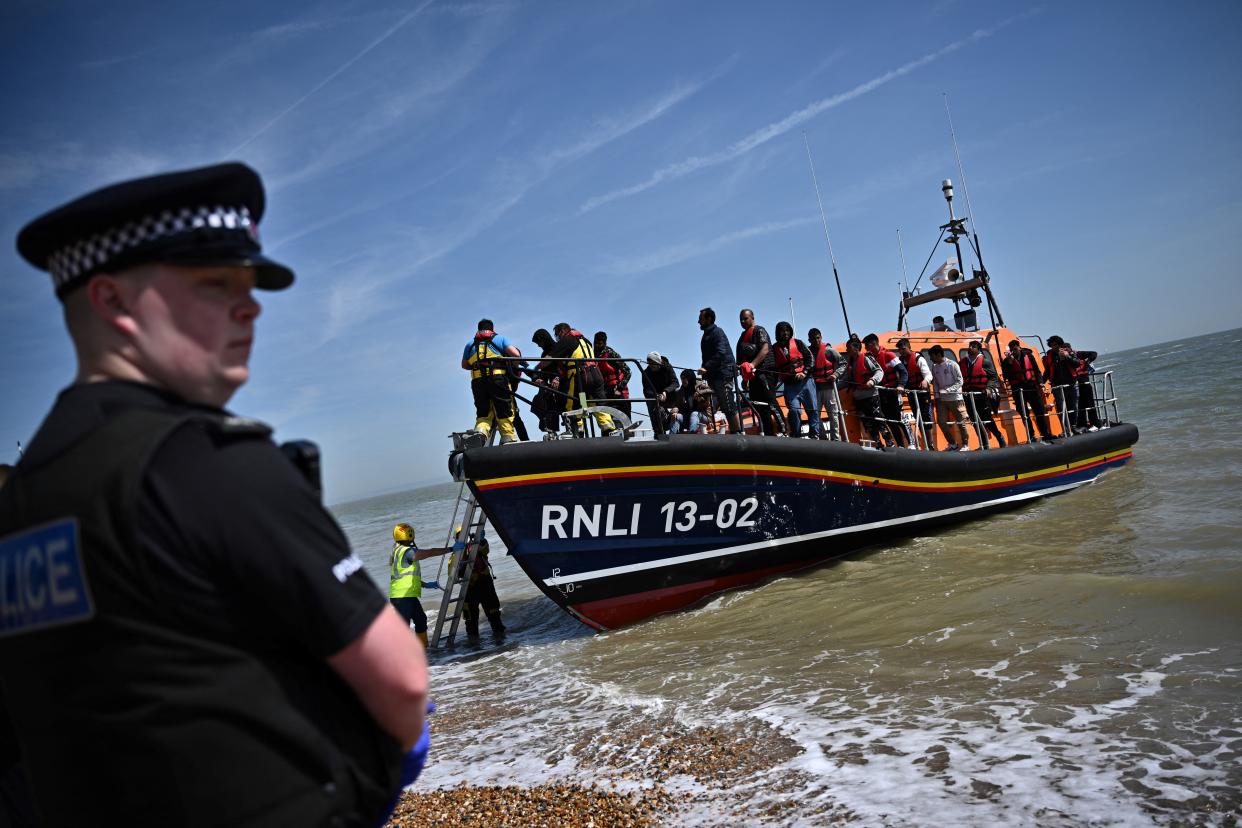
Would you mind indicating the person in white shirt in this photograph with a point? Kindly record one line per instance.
(947, 378)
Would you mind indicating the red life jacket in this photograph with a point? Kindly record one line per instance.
(789, 361)
(613, 375)
(974, 375)
(1028, 371)
(746, 351)
(885, 357)
(1081, 369)
(823, 372)
(914, 374)
(861, 374)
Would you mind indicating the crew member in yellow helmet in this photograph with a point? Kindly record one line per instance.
(481, 590)
(489, 381)
(405, 577)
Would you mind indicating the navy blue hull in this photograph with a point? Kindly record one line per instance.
(617, 532)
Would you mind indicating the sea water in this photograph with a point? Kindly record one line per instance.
(1074, 661)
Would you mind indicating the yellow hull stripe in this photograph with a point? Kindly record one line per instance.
(789, 471)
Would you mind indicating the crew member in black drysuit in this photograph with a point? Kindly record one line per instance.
(481, 592)
(546, 404)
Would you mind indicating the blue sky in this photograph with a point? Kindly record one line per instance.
(620, 165)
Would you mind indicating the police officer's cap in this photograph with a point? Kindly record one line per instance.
(205, 217)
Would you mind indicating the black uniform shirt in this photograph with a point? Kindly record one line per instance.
(239, 540)
(241, 555)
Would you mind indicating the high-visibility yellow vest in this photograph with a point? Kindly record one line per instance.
(404, 580)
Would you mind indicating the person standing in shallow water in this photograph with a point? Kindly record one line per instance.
(405, 578)
(481, 589)
(198, 570)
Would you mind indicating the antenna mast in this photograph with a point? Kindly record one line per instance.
(961, 172)
(905, 286)
(832, 257)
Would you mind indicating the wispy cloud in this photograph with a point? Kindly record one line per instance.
(355, 300)
(675, 254)
(26, 168)
(333, 75)
(774, 130)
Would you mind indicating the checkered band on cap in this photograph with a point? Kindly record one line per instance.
(94, 253)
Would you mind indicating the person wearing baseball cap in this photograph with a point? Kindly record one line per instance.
(192, 641)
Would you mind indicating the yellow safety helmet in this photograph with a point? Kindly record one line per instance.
(403, 533)
(457, 531)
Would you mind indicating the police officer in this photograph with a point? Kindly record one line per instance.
(208, 650)
(405, 578)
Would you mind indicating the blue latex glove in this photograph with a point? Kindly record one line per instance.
(432, 585)
(411, 764)
(459, 546)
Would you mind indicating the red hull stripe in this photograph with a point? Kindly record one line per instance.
(748, 470)
(609, 613)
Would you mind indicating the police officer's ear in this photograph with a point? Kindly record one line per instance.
(111, 298)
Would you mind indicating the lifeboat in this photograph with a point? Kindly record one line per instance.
(616, 530)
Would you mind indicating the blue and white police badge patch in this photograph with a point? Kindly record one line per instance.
(42, 580)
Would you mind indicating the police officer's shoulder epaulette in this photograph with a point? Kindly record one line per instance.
(230, 425)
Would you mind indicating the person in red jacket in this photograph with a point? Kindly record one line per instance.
(1087, 418)
(1061, 369)
(616, 374)
(978, 382)
(829, 369)
(889, 393)
(1026, 384)
(918, 385)
(795, 363)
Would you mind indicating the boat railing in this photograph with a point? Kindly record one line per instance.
(1008, 409)
(1100, 412)
(578, 421)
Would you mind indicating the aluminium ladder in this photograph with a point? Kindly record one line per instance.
(473, 521)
